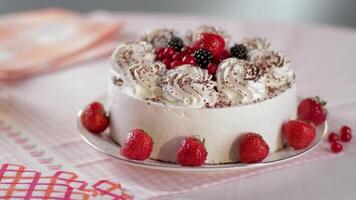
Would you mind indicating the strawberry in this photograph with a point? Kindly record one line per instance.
(214, 43)
(252, 148)
(94, 118)
(299, 134)
(217, 59)
(138, 145)
(312, 109)
(191, 152)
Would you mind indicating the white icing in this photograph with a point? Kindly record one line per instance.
(189, 86)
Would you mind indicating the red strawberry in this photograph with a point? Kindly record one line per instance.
(252, 148)
(214, 43)
(138, 145)
(312, 109)
(191, 152)
(94, 118)
(299, 134)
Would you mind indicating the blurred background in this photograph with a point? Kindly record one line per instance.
(334, 12)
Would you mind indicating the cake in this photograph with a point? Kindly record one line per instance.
(214, 94)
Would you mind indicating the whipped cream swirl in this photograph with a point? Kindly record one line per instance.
(279, 73)
(143, 80)
(131, 53)
(190, 86)
(158, 38)
(255, 43)
(240, 81)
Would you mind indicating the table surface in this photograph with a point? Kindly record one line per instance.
(323, 58)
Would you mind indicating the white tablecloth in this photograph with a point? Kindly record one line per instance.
(325, 65)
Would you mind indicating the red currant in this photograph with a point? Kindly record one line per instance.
(167, 62)
(177, 56)
(159, 50)
(188, 59)
(159, 56)
(336, 147)
(168, 52)
(187, 50)
(345, 129)
(175, 63)
(345, 136)
(212, 67)
(333, 137)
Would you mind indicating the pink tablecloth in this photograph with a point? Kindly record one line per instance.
(45, 107)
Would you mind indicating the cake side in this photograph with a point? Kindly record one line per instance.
(220, 127)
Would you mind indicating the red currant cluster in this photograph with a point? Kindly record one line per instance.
(207, 52)
(345, 136)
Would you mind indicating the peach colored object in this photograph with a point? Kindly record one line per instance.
(38, 41)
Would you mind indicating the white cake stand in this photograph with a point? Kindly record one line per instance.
(105, 144)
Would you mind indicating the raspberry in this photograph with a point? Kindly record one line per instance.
(176, 43)
(167, 62)
(239, 51)
(175, 63)
(203, 57)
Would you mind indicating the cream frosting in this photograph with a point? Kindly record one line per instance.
(131, 53)
(142, 80)
(190, 86)
(158, 38)
(240, 81)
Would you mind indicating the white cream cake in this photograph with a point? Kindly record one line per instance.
(255, 94)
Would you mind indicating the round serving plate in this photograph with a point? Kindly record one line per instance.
(105, 144)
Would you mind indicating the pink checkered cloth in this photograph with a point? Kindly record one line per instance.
(43, 40)
(44, 108)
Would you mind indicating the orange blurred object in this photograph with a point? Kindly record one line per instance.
(39, 41)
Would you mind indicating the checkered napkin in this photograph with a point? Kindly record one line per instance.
(44, 40)
(18, 182)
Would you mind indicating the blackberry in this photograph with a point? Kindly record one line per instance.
(176, 43)
(239, 51)
(203, 57)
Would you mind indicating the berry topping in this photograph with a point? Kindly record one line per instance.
(239, 51)
(345, 134)
(188, 59)
(333, 137)
(299, 134)
(94, 118)
(252, 148)
(167, 62)
(168, 52)
(212, 67)
(176, 43)
(312, 109)
(203, 57)
(138, 145)
(214, 43)
(177, 56)
(219, 58)
(187, 50)
(191, 152)
(336, 147)
(175, 63)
